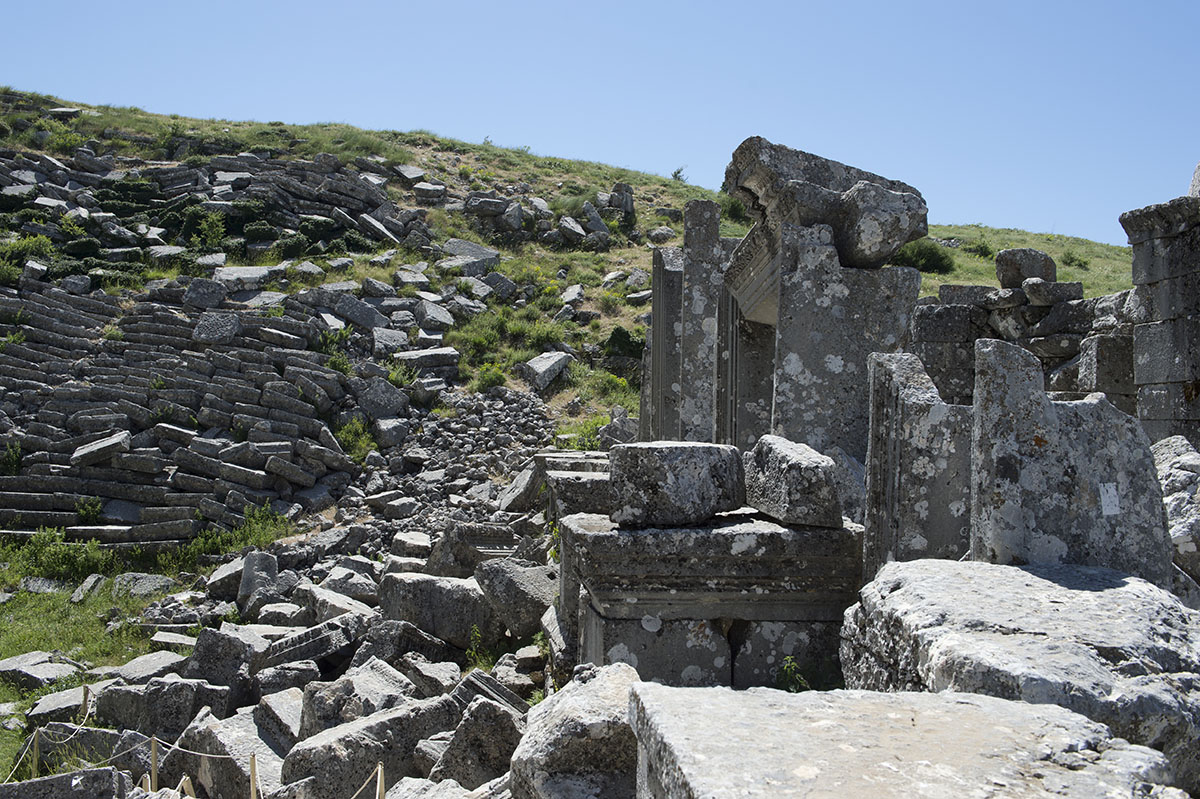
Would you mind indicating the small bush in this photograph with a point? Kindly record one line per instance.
(610, 302)
(356, 439)
(341, 362)
(584, 432)
(259, 231)
(1074, 260)
(733, 210)
(210, 231)
(10, 459)
(925, 256)
(402, 375)
(292, 246)
(18, 252)
(790, 679)
(88, 509)
(489, 376)
(65, 142)
(47, 554)
(980, 247)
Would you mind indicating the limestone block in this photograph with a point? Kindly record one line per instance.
(102, 449)
(164, 706)
(1178, 467)
(918, 478)
(216, 328)
(578, 741)
(694, 742)
(259, 570)
(481, 746)
(100, 783)
(808, 647)
(792, 483)
(1106, 364)
(1059, 482)
(446, 607)
(361, 691)
(1102, 643)
(204, 293)
(1046, 292)
(877, 222)
(1015, 266)
(232, 741)
(670, 651)
(544, 369)
(667, 483)
(519, 591)
(379, 399)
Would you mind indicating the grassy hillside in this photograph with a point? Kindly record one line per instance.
(1102, 268)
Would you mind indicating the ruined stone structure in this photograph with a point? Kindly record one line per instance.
(1166, 340)
(774, 333)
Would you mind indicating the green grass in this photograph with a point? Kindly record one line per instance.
(1102, 268)
(356, 439)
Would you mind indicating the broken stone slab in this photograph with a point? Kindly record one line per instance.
(578, 741)
(278, 716)
(692, 742)
(331, 642)
(1102, 643)
(391, 640)
(1060, 482)
(33, 670)
(64, 705)
(872, 216)
(227, 656)
(142, 585)
(1015, 266)
(259, 570)
(379, 399)
(164, 706)
(1178, 466)
(231, 741)
(361, 691)
(449, 608)
(347, 755)
(544, 369)
(286, 676)
(674, 482)
(98, 783)
(792, 483)
(204, 293)
(481, 746)
(102, 449)
(519, 591)
(431, 679)
(1044, 292)
(216, 328)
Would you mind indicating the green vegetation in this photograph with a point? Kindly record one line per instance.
(925, 256)
(582, 434)
(478, 656)
(402, 375)
(89, 509)
(489, 376)
(356, 439)
(1102, 268)
(10, 459)
(790, 679)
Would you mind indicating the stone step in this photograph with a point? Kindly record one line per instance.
(27, 501)
(33, 519)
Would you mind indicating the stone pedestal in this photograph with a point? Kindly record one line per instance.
(720, 603)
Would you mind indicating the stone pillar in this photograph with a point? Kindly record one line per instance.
(1166, 340)
(918, 467)
(1060, 482)
(703, 284)
(665, 334)
(830, 320)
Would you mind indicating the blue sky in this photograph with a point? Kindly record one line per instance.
(1047, 116)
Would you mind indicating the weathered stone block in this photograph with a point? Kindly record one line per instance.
(1015, 266)
(1052, 482)
(792, 483)
(674, 482)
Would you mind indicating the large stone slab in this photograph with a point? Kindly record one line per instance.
(792, 483)
(706, 742)
(1060, 482)
(578, 742)
(674, 482)
(446, 607)
(703, 288)
(1102, 643)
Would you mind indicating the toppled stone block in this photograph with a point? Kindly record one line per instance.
(101, 450)
(361, 691)
(163, 706)
(792, 483)
(204, 293)
(544, 369)
(677, 482)
(33, 670)
(216, 328)
(481, 746)
(578, 742)
(231, 741)
(446, 607)
(519, 591)
(1015, 266)
(1109, 646)
(1059, 482)
(1178, 466)
(98, 783)
(380, 399)
(693, 742)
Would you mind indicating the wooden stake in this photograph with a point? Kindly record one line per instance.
(83, 710)
(153, 764)
(379, 789)
(37, 732)
(253, 776)
(185, 787)
(146, 783)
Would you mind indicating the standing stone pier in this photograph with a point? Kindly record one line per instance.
(1166, 340)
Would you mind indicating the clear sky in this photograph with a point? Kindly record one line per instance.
(1047, 116)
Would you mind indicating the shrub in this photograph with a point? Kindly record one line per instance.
(924, 255)
(210, 231)
(84, 247)
(10, 459)
(610, 302)
(292, 246)
(88, 509)
(980, 247)
(47, 554)
(584, 433)
(356, 439)
(10, 275)
(490, 375)
(402, 375)
(354, 241)
(677, 174)
(733, 210)
(65, 142)
(16, 253)
(259, 231)
(790, 679)
(1073, 259)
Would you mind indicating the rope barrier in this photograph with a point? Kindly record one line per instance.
(17, 765)
(374, 775)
